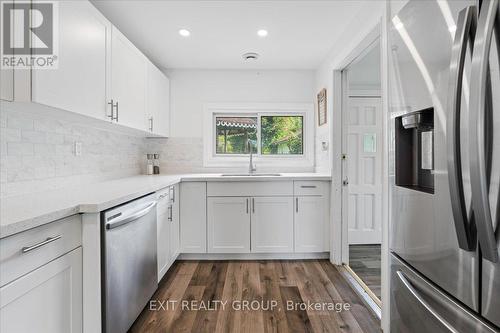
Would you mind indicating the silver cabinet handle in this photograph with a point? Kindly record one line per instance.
(308, 186)
(111, 116)
(172, 193)
(253, 205)
(466, 30)
(170, 216)
(27, 249)
(480, 144)
(150, 119)
(116, 105)
(426, 305)
(113, 106)
(247, 205)
(296, 205)
(129, 218)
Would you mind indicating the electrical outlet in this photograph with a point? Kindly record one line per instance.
(324, 145)
(77, 148)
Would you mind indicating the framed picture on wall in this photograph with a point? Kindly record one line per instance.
(322, 107)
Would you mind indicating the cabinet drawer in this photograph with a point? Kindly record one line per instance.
(23, 252)
(250, 189)
(304, 187)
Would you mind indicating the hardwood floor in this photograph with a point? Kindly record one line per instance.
(365, 261)
(255, 296)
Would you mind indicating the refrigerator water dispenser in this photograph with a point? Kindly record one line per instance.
(414, 137)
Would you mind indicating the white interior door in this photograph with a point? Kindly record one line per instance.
(363, 170)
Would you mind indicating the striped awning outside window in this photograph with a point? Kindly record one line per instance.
(238, 122)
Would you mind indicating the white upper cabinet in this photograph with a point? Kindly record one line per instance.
(7, 84)
(79, 83)
(128, 82)
(158, 102)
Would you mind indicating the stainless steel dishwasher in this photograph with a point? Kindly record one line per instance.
(128, 262)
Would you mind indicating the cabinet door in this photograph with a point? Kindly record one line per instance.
(193, 214)
(309, 223)
(228, 220)
(128, 81)
(174, 223)
(272, 224)
(48, 299)
(7, 84)
(79, 82)
(163, 237)
(158, 102)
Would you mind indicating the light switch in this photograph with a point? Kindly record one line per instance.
(77, 149)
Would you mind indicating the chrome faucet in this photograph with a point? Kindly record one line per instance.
(251, 166)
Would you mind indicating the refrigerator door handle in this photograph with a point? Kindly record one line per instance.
(479, 142)
(466, 30)
(421, 300)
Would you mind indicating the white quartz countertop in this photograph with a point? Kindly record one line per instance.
(23, 212)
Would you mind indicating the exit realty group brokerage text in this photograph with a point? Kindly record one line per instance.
(245, 305)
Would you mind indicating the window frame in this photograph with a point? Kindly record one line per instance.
(211, 111)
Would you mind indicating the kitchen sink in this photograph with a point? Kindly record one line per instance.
(251, 174)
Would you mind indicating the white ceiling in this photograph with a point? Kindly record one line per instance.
(301, 33)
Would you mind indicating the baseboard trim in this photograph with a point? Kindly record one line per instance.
(253, 256)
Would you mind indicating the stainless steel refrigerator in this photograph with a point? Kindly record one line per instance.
(445, 166)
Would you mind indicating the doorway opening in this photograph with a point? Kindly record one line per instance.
(362, 172)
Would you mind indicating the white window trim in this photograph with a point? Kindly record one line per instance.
(210, 159)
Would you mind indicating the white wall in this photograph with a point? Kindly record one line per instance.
(191, 89)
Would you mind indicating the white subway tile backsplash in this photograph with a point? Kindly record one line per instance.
(37, 154)
(19, 148)
(10, 135)
(34, 136)
(23, 123)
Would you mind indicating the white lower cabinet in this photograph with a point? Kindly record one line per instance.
(167, 229)
(162, 234)
(228, 221)
(193, 217)
(310, 220)
(175, 245)
(48, 299)
(272, 224)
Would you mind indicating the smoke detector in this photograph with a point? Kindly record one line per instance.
(250, 56)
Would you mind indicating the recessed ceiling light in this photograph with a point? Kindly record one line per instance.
(184, 32)
(262, 33)
(250, 56)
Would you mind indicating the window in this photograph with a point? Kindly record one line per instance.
(282, 135)
(274, 135)
(234, 134)
(278, 134)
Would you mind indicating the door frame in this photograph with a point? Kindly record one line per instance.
(339, 245)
